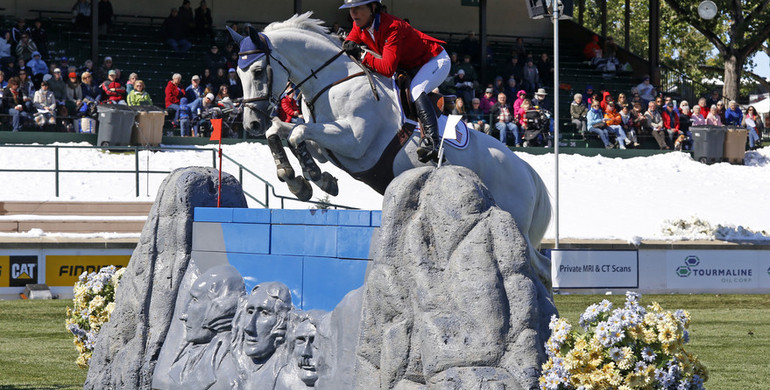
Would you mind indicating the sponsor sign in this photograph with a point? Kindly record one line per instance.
(64, 270)
(594, 269)
(716, 269)
(18, 271)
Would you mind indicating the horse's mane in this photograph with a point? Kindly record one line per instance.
(303, 22)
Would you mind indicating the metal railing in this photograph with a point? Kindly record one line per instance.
(58, 170)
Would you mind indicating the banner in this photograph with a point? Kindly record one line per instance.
(18, 271)
(594, 269)
(717, 269)
(64, 270)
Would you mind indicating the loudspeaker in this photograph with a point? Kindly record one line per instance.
(37, 291)
(539, 9)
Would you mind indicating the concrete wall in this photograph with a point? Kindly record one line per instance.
(504, 17)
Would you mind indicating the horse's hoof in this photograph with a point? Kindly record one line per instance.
(312, 173)
(328, 184)
(301, 189)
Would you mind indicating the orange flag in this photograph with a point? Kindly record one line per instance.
(216, 130)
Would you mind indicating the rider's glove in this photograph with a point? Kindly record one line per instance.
(353, 49)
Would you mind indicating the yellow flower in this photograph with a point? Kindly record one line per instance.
(667, 335)
(649, 336)
(655, 307)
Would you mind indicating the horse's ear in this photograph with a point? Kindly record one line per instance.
(254, 35)
(236, 37)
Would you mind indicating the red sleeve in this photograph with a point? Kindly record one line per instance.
(386, 65)
(287, 107)
(355, 35)
(169, 94)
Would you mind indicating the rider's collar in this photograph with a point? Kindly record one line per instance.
(250, 52)
(374, 25)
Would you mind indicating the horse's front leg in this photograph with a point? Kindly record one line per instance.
(310, 169)
(298, 185)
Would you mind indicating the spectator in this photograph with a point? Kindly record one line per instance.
(45, 103)
(289, 111)
(545, 69)
(18, 31)
(721, 111)
(733, 115)
(82, 16)
(713, 118)
(520, 97)
(596, 124)
(105, 14)
(186, 115)
(504, 120)
(214, 59)
(37, 66)
(38, 36)
(113, 90)
(614, 123)
(659, 103)
(234, 84)
(520, 50)
(592, 49)
(19, 104)
(487, 101)
(175, 32)
(218, 79)
(104, 70)
(463, 85)
(138, 96)
(669, 99)
(223, 97)
(646, 90)
(684, 127)
(654, 123)
(588, 95)
(610, 49)
(578, 112)
(622, 100)
(511, 90)
(58, 86)
(470, 47)
(454, 64)
(5, 49)
(204, 25)
(130, 83)
(498, 85)
(713, 99)
(671, 121)
(540, 99)
(531, 76)
(88, 66)
(477, 118)
(25, 49)
(3, 83)
(630, 121)
(696, 117)
(753, 123)
(515, 69)
(174, 93)
(187, 17)
(470, 70)
(459, 109)
(25, 83)
(206, 78)
(73, 93)
(702, 108)
(195, 90)
(91, 91)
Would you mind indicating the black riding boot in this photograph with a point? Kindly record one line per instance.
(429, 143)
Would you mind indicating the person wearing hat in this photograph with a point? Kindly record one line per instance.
(113, 90)
(195, 90)
(463, 86)
(539, 99)
(400, 46)
(521, 96)
(488, 100)
(73, 93)
(477, 118)
(37, 66)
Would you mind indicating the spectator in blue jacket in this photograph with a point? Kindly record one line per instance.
(37, 66)
(596, 124)
(733, 114)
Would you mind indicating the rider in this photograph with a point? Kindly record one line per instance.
(401, 47)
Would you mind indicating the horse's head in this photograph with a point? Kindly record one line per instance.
(258, 78)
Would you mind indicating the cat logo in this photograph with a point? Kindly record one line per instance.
(23, 270)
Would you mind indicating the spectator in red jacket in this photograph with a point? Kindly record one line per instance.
(290, 112)
(174, 93)
(671, 121)
(401, 46)
(113, 90)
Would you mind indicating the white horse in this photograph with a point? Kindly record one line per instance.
(355, 127)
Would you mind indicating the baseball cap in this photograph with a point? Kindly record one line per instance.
(73, 74)
(111, 72)
(210, 96)
(108, 58)
(196, 77)
(231, 70)
(489, 90)
(57, 70)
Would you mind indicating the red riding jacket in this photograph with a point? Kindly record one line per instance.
(401, 45)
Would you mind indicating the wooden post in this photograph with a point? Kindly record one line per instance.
(483, 40)
(654, 38)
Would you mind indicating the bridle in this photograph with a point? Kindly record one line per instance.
(313, 74)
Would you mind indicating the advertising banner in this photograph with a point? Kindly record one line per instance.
(18, 271)
(576, 268)
(717, 269)
(64, 270)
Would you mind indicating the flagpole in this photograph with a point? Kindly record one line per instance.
(219, 184)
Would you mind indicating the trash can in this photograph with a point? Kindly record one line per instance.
(708, 143)
(115, 122)
(735, 145)
(148, 127)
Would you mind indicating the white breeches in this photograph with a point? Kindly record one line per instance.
(431, 75)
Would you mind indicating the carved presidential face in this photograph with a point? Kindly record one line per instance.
(194, 317)
(305, 352)
(263, 323)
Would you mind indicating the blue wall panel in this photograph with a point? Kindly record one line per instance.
(305, 217)
(376, 218)
(303, 240)
(266, 268)
(213, 214)
(327, 281)
(246, 237)
(353, 242)
(252, 215)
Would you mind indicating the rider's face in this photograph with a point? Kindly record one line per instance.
(361, 15)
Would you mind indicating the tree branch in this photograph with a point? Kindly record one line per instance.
(754, 44)
(715, 69)
(698, 25)
(756, 12)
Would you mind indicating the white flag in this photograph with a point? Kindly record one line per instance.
(449, 129)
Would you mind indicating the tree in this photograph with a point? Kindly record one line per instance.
(746, 25)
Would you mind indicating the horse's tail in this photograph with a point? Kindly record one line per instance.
(541, 215)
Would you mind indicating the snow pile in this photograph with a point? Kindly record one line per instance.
(695, 228)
